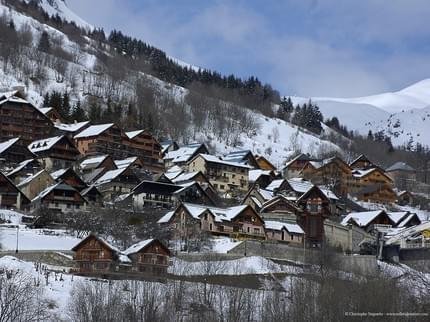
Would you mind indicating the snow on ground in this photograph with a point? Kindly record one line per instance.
(241, 266)
(223, 244)
(35, 239)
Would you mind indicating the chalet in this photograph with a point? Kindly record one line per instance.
(184, 154)
(14, 151)
(256, 197)
(294, 167)
(71, 129)
(55, 153)
(149, 256)
(70, 177)
(370, 221)
(228, 178)
(315, 208)
(284, 231)
(143, 145)
(36, 183)
(402, 219)
(264, 164)
(279, 208)
(403, 175)
(137, 165)
(242, 157)
(116, 182)
(60, 197)
(168, 146)
(93, 168)
(10, 195)
(93, 254)
(332, 172)
(102, 139)
(372, 185)
(188, 221)
(260, 177)
(154, 194)
(93, 196)
(362, 162)
(24, 170)
(20, 118)
(405, 198)
(202, 180)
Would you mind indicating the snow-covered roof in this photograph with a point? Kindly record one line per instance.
(7, 144)
(45, 110)
(361, 218)
(137, 247)
(408, 232)
(236, 156)
(254, 174)
(30, 178)
(125, 162)
(183, 154)
(166, 218)
(44, 144)
(405, 220)
(214, 159)
(45, 192)
(400, 166)
(186, 176)
(302, 186)
(92, 162)
(73, 127)
(359, 173)
(58, 173)
(266, 194)
(21, 166)
(109, 176)
(93, 130)
(275, 184)
(133, 134)
(397, 216)
(278, 225)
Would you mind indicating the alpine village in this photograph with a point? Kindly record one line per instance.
(143, 189)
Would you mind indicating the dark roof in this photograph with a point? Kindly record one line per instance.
(156, 187)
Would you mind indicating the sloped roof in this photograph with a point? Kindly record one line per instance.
(21, 166)
(31, 178)
(254, 174)
(133, 134)
(362, 219)
(57, 174)
(156, 187)
(93, 130)
(59, 185)
(125, 163)
(93, 162)
(72, 127)
(400, 166)
(44, 144)
(185, 176)
(278, 225)
(109, 176)
(184, 153)
(214, 159)
(7, 144)
(138, 246)
(397, 216)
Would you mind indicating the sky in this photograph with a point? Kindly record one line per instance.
(341, 48)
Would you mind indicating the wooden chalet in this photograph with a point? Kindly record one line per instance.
(262, 178)
(279, 208)
(168, 146)
(404, 219)
(95, 255)
(54, 153)
(14, 151)
(370, 221)
(143, 145)
(117, 182)
(154, 195)
(372, 185)
(403, 175)
(405, 198)
(149, 256)
(70, 177)
(71, 129)
(293, 168)
(10, 195)
(34, 184)
(93, 168)
(24, 170)
(20, 118)
(60, 197)
(188, 221)
(288, 232)
(264, 164)
(362, 162)
(315, 208)
(93, 196)
(332, 172)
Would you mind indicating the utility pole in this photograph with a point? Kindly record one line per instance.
(17, 230)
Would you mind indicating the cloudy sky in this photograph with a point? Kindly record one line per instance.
(302, 47)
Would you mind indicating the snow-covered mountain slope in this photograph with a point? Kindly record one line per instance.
(401, 115)
(53, 7)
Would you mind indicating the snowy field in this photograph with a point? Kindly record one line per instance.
(35, 239)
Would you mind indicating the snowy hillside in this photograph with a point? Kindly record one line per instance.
(402, 115)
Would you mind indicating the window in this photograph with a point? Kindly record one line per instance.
(210, 226)
(221, 187)
(292, 237)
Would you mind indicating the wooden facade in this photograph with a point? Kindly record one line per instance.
(143, 145)
(149, 257)
(19, 118)
(14, 151)
(372, 185)
(10, 195)
(264, 164)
